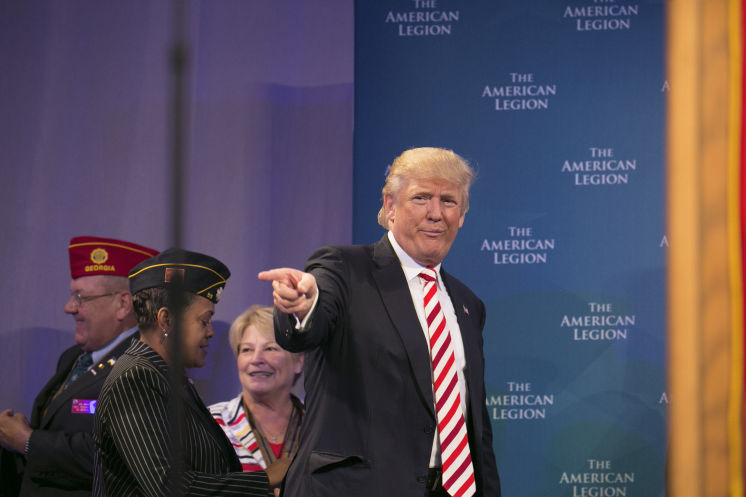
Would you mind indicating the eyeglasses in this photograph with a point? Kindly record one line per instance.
(80, 299)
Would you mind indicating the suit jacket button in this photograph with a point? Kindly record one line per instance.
(421, 479)
(429, 430)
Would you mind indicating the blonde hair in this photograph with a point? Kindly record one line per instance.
(427, 162)
(259, 316)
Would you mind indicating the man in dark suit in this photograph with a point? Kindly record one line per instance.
(378, 421)
(57, 443)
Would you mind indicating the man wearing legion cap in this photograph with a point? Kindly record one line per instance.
(57, 443)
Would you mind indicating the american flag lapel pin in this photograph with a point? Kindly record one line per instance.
(466, 310)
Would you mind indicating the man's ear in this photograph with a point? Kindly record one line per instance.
(124, 303)
(388, 207)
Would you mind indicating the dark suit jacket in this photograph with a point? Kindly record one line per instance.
(370, 420)
(61, 447)
(132, 435)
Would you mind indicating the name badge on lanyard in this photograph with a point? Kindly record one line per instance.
(84, 406)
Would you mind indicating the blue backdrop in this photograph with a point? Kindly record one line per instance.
(559, 106)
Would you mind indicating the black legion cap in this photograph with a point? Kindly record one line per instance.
(200, 273)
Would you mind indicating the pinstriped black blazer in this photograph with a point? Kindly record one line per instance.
(131, 433)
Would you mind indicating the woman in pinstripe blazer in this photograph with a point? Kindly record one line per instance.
(140, 451)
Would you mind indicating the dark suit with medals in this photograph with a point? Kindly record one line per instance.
(61, 450)
(132, 434)
(370, 419)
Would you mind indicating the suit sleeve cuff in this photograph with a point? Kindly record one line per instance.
(303, 325)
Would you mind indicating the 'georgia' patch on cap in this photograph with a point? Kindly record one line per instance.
(200, 273)
(91, 255)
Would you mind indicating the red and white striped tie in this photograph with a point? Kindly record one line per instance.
(458, 471)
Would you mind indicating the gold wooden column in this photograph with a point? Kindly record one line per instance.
(705, 333)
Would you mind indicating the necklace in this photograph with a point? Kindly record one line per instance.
(273, 438)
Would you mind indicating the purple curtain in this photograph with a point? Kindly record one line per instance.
(84, 150)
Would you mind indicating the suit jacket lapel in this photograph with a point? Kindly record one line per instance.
(394, 291)
(62, 398)
(468, 324)
(94, 375)
(81, 385)
(195, 403)
(44, 402)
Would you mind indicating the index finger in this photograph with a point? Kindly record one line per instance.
(282, 275)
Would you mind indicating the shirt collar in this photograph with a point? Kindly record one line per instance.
(411, 268)
(102, 352)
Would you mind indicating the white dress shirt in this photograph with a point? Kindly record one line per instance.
(412, 270)
(99, 354)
